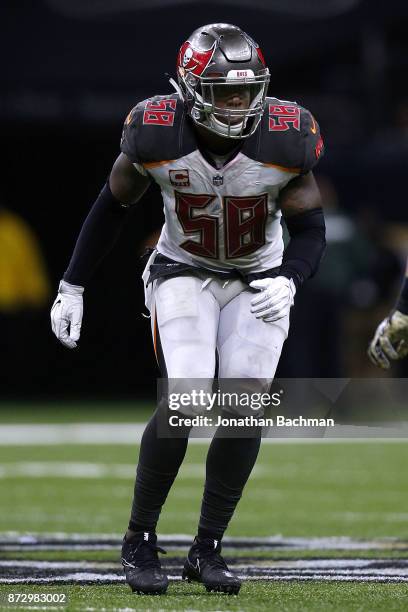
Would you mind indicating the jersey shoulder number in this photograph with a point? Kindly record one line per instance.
(290, 137)
(150, 131)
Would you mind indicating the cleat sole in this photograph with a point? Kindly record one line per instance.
(228, 589)
(189, 577)
(157, 592)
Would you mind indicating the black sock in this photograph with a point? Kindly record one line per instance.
(159, 462)
(229, 464)
(204, 534)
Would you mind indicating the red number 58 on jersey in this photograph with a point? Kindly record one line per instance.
(244, 220)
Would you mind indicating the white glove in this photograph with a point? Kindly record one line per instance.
(390, 340)
(66, 314)
(275, 298)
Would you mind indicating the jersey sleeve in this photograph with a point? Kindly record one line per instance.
(152, 130)
(312, 141)
(131, 135)
(289, 138)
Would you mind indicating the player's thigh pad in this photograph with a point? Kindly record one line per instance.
(187, 323)
(248, 347)
(148, 288)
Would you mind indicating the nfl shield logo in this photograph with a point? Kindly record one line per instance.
(218, 180)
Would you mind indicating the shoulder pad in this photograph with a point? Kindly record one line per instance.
(290, 137)
(151, 129)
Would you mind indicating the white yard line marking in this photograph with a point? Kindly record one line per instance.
(78, 469)
(263, 565)
(70, 433)
(362, 570)
(113, 578)
(381, 570)
(100, 541)
(77, 577)
(57, 564)
(23, 434)
(364, 517)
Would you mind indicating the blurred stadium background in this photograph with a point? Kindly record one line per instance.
(71, 71)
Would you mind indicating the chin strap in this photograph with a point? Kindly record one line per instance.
(176, 87)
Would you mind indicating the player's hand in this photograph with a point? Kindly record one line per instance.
(390, 340)
(275, 298)
(66, 314)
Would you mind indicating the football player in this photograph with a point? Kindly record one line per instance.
(391, 337)
(230, 161)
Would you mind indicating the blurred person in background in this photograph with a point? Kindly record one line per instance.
(24, 295)
(390, 340)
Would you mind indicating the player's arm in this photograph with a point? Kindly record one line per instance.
(391, 337)
(105, 220)
(100, 231)
(301, 207)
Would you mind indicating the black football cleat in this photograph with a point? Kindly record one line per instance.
(142, 566)
(204, 564)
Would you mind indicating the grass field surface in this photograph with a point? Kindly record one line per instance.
(298, 492)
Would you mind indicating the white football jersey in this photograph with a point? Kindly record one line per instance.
(225, 218)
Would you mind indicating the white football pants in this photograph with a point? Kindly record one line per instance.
(195, 315)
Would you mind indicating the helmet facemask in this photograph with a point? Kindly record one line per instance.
(230, 106)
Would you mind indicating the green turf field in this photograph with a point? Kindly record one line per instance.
(298, 490)
(259, 596)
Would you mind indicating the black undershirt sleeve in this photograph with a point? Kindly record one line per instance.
(307, 243)
(98, 235)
